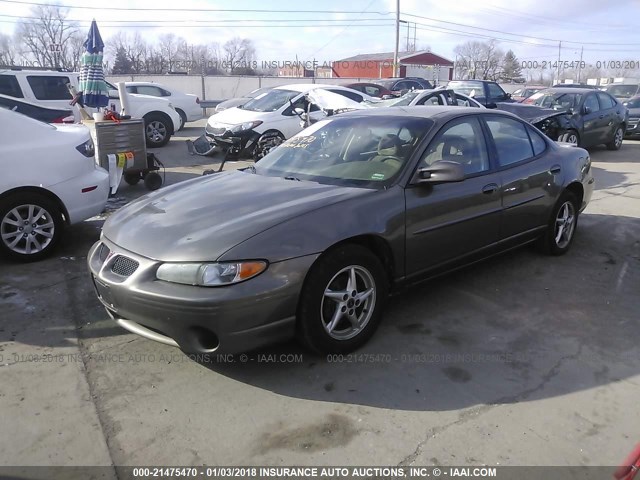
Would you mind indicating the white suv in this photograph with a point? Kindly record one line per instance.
(49, 89)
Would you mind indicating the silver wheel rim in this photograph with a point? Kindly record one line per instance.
(618, 138)
(348, 302)
(27, 229)
(156, 131)
(565, 224)
(572, 139)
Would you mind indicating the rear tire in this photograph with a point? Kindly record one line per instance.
(183, 118)
(616, 142)
(342, 300)
(562, 226)
(30, 226)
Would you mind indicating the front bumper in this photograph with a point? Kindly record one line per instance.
(232, 142)
(633, 128)
(228, 319)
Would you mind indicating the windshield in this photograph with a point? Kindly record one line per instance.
(633, 103)
(258, 91)
(467, 87)
(622, 90)
(396, 101)
(368, 151)
(270, 101)
(555, 100)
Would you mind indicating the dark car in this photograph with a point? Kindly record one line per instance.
(484, 91)
(575, 85)
(525, 92)
(310, 241)
(400, 86)
(371, 89)
(555, 124)
(44, 114)
(633, 105)
(599, 118)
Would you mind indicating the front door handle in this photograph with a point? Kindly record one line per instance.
(601, 117)
(555, 169)
(489, 189)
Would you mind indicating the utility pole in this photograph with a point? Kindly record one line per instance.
(580, 65)
(395, 52)
(415, 45)
(559, 51)
(407, 37)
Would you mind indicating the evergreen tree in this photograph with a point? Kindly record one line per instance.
(121, 64)
(511, 67)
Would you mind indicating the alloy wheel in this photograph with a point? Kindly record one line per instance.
(565, 224)
(617, 139)
(348, 302)
(27, 229)
(156, 131)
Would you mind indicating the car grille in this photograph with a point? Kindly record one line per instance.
(124, 266)
(633, 121)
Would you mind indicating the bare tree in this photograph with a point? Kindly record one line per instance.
(239, 54)
(49, 37)
(134, 48)
(8, 52)
(478, 60)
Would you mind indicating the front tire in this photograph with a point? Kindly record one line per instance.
(342, 299)
(562, 226)
(616, 142)
(30, 226)
(157, 130)
(571, 137)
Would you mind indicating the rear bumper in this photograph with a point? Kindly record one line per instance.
(82, 205)
(230, 319)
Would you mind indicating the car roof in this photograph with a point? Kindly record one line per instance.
(442, 113)
(570, 90)
(304, 87)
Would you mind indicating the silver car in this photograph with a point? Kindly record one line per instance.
(311, 240)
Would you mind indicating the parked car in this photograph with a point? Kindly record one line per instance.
(48, 88)
(430, 97)
(268, 119)
(623, 91)
(525, 92)
(44, 114)
(558, 125)
(576, 85)
(486, 92)
(186, 104)
(239, 101)
(633, 106)
(400, 86)
(599, 117)
(50, 180)
(350, 209)
(371, 89)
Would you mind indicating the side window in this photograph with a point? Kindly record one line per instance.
(495, 91)
(49, 87)
(432, 100)
(461, 141)
(538, 143)
(373, 91)
(303, 104)
(403, 85)
(411, 85)
(9, 86)
(149, 90)
(131, 89)
(511, 140)
(592, 102)
(464, 102)
(605, 101)
(165, 93)
(351, 95)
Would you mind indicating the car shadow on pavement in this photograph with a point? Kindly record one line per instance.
(520, 327)
(606, 179)
(629, 152)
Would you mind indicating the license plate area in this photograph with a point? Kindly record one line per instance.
(103, 291)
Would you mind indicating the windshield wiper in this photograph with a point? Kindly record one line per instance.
(250, 168)
(292, 178)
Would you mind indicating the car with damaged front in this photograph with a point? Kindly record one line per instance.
(310, 241)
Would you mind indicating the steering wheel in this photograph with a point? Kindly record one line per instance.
(388, 157)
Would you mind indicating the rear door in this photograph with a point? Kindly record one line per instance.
(609, 108)
(49, 90)
(529, 180)
(447, 221)
(594, 123)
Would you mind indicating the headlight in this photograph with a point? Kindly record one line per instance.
(210, 274)
(244, 126)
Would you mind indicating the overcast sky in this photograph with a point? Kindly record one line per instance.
(596, 24)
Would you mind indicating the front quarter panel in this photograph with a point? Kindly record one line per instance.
(379, 213)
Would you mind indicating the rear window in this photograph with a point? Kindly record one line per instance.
(9, 86)
(49, 87)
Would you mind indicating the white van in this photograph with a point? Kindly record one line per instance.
(48, 88)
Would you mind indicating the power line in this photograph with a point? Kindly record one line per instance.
(155, 9)
(181, 25)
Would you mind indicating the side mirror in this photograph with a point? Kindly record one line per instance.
(492, 105)
(586, 110)
(113, 94)
(443, 171)
(299, 111)
(508, 95)
(388, 97)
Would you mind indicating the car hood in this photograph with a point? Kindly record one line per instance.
(531, 113)
(200, 219)
(234, 116)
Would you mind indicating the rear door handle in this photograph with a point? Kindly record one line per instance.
(489, 189)
(555, 169)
